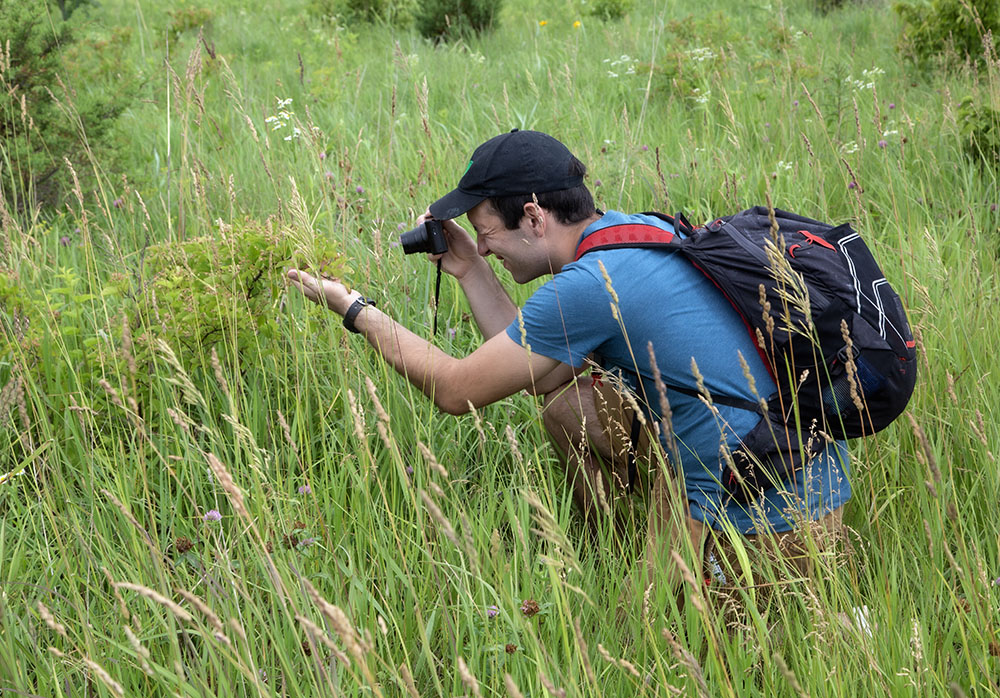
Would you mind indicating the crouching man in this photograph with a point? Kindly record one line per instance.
(634, 312)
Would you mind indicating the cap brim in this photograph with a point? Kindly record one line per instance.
(454, 204)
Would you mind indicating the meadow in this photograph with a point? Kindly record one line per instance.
(207, 487)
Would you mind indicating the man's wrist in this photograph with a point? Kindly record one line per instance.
(347, 303)
(479, 269)
(357, 305)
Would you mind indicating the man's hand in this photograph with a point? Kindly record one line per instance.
(327, 292)
(462, 255)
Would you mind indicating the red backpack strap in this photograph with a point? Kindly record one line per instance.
(625, 235)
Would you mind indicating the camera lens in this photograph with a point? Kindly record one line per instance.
(426, 237)
(414, 240)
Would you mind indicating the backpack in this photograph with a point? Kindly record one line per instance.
(846, 356)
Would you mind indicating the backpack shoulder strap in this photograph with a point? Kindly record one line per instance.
(635, 235)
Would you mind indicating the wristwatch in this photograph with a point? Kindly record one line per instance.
(353, 311)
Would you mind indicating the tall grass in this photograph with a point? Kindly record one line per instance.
(307, 524)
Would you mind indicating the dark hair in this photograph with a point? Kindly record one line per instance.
(568, 205)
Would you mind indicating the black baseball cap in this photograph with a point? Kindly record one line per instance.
(519, 162)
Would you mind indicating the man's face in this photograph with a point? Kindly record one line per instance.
(521, 251)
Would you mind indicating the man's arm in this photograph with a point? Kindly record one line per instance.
(498, 368)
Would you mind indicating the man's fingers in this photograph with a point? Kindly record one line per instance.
(306, 283)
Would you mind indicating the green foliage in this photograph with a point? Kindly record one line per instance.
(692, 54)
(222, 289)
(980, 129)
(219, 292)
(609, 10)
(825, 6)
(68, 7)
(185, 19)
(40, 119)
(395, 12)
(442, 20)
(948, 30)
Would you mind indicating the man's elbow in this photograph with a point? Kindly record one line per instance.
(452, 404)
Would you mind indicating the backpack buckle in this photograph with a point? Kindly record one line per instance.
(842, 353)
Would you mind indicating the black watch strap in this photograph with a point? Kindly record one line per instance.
(353, 311)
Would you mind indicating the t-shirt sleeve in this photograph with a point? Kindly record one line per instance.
(568, 317)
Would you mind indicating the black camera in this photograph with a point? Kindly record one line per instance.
(426, 237)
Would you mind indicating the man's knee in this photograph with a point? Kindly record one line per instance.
(563, 419)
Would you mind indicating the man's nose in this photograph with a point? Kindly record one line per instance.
(481, 248)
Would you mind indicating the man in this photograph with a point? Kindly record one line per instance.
(632, 312)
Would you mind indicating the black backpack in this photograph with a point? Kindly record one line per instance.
(760, 262)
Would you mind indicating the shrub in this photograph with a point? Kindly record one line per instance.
(185, 19)
(610, 9)
(827, 6)
(980, 129)
(396, 12)
(442, 20)
(948, 29)
(37, 129)
(219, 292)
(68, 7)
(221, 289)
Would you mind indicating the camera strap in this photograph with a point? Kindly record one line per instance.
(437, 297)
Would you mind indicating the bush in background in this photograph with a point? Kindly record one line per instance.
(980, 129)
(443, 20)
(40, 119)
(395, 12)
(949, 30)
(609, 10)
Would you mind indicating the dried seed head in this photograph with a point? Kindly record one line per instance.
(213, 620)
(468, 678)
(50, 621)
(379, 410)
(551, 687)
(220, 377)
(431, 460)
(156, 597)
(440, 519)
(141, 652)
(104, 676)
(512, 690)
(226, 480)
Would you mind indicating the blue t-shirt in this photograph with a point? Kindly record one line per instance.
(665, 300)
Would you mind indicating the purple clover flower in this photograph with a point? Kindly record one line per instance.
(852, 185)
(65, 241)
(305, 489)
(644, 148)
(493, 611)
(359, 189)
(212, 515)
(882, 143)
(118, 203)
(996, 582)
(892, 105)
(795, 103)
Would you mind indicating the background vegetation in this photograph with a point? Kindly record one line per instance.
(207, 487)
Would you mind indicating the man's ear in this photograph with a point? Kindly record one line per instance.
(536, 217)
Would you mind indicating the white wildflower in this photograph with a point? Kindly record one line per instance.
(701, 54)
